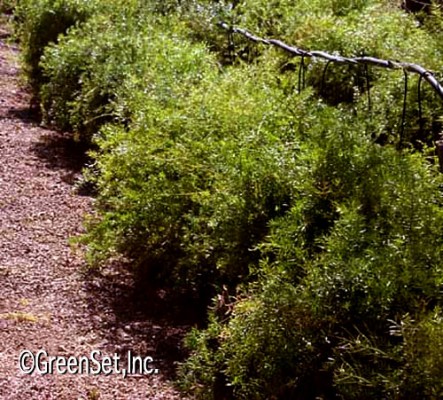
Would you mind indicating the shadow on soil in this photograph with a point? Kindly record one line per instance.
(27, 114)
(142, 318)
(59, 151)
(127, 313)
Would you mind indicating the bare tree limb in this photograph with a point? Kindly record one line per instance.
(427, 75)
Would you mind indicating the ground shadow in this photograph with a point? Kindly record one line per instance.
(25, 114)
(146, 320)
(126, 313)
(60, 151)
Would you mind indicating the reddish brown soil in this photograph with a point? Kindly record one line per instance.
(48, 300)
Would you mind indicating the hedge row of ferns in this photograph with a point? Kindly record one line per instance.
(301, 199)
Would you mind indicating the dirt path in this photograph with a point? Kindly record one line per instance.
(45, 301)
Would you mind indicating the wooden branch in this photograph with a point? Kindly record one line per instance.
(427, 75)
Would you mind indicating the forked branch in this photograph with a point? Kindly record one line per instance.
(427, 75)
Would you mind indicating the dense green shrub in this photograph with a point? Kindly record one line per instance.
(269, 348)
(7, 6)
(40, 22)
(198, 176)
(376, 28)
(423, 354)
(89, 73)
(80, 84)
(86, 71)
(214, 169)
(356, 251)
